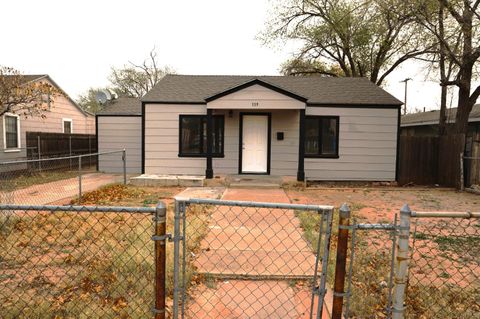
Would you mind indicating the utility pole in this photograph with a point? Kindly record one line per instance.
(405, 99)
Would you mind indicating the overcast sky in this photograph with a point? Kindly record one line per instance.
(77, 42)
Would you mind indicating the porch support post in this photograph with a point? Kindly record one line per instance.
(301, 148)
(209, 170)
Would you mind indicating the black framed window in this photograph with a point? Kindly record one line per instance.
(193, 135)
(321, 136)
(11, 131)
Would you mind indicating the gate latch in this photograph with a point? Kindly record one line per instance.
(162, 238)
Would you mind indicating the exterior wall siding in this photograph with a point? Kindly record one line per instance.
(162, 137)
(117, 133)
(367, 146)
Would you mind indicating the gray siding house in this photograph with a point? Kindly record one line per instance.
(119, 126)
(335, 129)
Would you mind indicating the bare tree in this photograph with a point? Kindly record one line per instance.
(21, 95)
(135, 80)
(432, 16)
(368, 38)
(459, 42)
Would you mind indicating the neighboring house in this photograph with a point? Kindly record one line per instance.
(64, 116)
(310, 127)
(119, 126)
(426, 123)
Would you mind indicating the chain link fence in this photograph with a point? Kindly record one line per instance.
(230, 258)
(250, 260)
(44, 181)
(76, 262)
(370, 270)
(444, 269)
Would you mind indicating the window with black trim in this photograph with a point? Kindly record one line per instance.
(321, 136)
(193, 135)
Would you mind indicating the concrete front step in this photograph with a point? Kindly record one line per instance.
(254, 185)
(167, 180)
(253, 181)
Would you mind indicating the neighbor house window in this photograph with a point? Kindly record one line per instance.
(11, 129)
(67, 126)
(193, 135)
(321, 136)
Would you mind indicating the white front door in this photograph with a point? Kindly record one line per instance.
(255, 144)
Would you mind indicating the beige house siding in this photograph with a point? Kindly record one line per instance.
(62, 108)
(284, 154)
(161, 140)
(367, 145)
(117, 133)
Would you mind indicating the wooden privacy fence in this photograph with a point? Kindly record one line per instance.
(427, 160)
(44, 145)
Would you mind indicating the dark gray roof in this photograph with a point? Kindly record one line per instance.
(317, 90)
(432, 117)
(123, 106)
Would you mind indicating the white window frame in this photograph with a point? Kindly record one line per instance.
(19, 134)
(63, 125)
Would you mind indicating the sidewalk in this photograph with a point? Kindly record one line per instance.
(59, 192)
(263, 247)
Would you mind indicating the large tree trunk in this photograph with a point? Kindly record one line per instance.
(442, 125)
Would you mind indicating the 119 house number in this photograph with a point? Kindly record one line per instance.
(254, 104)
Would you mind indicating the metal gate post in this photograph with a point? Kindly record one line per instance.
(39, 153)
(325, 259)
(124, 159)
(402, 264)
(160, 239)
(176, 258)
(340, 265)
(79, 179)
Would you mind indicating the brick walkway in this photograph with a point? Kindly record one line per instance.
(249, 243)
(59, 192)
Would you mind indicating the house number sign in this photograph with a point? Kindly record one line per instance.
(254, 104)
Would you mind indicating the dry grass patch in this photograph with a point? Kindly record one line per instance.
(84, 265)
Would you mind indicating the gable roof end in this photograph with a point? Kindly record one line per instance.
(267, 85)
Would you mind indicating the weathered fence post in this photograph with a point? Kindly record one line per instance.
(340, 265)
(124, 159)
(79, 179)
(160, 239)
(401, 269)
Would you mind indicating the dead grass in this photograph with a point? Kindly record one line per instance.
(84, 265)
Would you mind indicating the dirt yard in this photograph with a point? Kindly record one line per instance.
(381, 203)
(445, 266)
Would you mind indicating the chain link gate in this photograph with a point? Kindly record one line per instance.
(249, 259)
